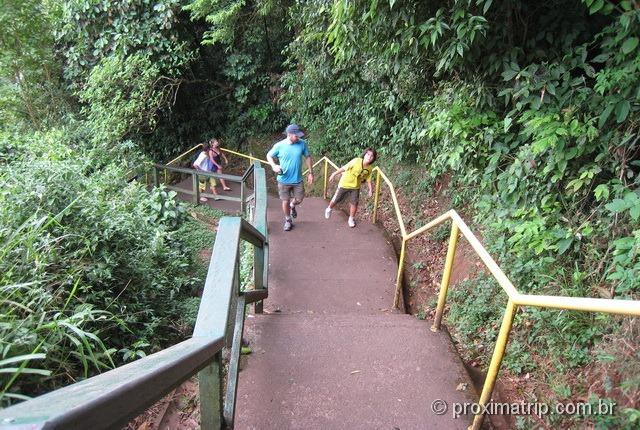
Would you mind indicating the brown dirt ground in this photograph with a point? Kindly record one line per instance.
(179, 410)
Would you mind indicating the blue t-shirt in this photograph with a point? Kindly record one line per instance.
(290, 158)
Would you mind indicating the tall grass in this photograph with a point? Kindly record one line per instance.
(40, 338)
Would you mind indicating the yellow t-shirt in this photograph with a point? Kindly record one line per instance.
(355, 174)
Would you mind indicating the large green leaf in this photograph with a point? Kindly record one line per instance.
(617, 205)
(596, 6)
(19, 358)
(629, 45)
(622, 110)
(605, 115)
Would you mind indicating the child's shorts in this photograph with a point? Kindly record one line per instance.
(352, 195)
(203, 183)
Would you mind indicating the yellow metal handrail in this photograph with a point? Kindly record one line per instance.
(184, 154)
(612, 306)
(180, 157)
(251, 158)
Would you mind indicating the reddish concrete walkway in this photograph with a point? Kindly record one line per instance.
(328, 353)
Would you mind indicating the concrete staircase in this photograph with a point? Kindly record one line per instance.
(329, 353)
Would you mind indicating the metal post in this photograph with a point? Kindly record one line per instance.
(446, 275)
(258, 272)
(376, 197)
(210, 385)
(196, 188)
(156, 181)
(326, 179)
(403, 250)
(263, 262)
(242, 202)
(496, 361)
(234, 366)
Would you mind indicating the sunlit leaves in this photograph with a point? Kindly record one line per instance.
(92, 30)
(630, 202)
(222, 16)
(123, 95)
(28, 70)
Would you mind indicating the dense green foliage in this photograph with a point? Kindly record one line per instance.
(244, 42)
(97, 270)
(27, 65)
(531, 108)
(94, 270)
(92, 267)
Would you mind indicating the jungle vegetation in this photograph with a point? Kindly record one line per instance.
(530, 108)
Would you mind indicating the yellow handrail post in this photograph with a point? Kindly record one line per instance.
(403, 251)
(446, 275)
(376, 197)
(326, 178)
(496, 361)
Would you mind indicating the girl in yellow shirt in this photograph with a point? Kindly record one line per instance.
(355, 172)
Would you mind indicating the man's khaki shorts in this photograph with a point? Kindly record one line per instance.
(286, 191)
(350, 194)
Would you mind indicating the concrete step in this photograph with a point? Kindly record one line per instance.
(323, 266)
(348, 372)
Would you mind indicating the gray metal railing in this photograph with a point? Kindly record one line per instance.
(196, 175)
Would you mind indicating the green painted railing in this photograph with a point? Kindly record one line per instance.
(110, 400)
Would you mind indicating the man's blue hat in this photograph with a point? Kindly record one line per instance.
(294, 129)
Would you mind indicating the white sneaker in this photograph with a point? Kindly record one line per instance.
(203, 199)
(327, 213)
(351, 222)
(287, 224)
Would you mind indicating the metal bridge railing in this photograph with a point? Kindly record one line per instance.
(176, 166)
(196, 175)
(516, 299)
(111, 399)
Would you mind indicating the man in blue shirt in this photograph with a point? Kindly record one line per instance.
(289, 153)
